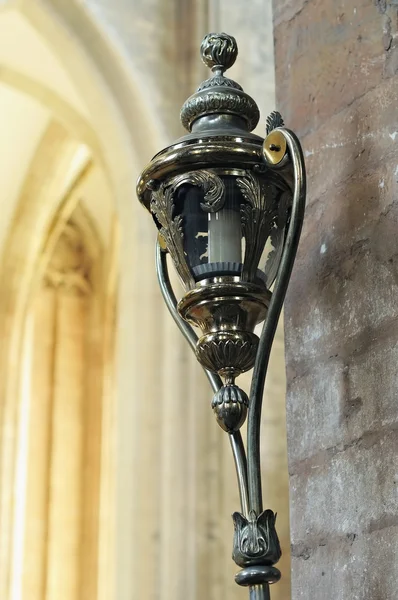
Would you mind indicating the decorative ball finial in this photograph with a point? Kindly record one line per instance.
(219, 95)
(219, 51)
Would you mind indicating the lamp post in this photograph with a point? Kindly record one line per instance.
(229, 206)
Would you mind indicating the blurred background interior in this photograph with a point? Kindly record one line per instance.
(115, 481)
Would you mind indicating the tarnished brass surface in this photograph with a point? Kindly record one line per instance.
(228, 353)
(171, 229)
(219, 94)
(226, 309)
(274, 147)
(226, 152)
(230, 404)
(225, 303)
(162, 242)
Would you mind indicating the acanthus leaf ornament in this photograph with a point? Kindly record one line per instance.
(276, 235)
(209, 101)
(258, 218)
(170, 229)
(212, 185)
(162, 207)
(274, 120)
(217, 81)
(230, 352)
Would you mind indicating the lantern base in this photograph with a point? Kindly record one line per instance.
(228, 353)
(222, 269)
(227, 310)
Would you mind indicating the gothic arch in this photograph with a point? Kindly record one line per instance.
(48, 212)
(60, 501)
(108, 139)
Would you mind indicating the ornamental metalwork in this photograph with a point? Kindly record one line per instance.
(274, 120)
(255, 539)
(162, 205)
(211, 184)
(219, 51)
(228, 294)
(211, 101)
(259, 215)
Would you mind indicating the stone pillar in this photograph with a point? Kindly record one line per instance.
(337, 87)
(66, 483)
(37, 492)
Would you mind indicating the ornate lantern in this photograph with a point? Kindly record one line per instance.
(229, 206)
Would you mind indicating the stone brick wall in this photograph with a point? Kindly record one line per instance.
(337, 87)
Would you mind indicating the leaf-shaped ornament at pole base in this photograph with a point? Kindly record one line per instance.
(258, 216)
(255, 539)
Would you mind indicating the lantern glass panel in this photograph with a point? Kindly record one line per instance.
(214, 241)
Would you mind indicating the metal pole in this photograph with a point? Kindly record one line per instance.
(259, 592)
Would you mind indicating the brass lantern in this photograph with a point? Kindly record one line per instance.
(228, 206)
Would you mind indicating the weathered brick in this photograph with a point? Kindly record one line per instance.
(354, 567)
(337, 401)
(337, 86)
(328, 55)
(284, 10)
(346, 489)
(345, 272)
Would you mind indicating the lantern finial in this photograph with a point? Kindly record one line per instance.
(219, 96)
(219, 51)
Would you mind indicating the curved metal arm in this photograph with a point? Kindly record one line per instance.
(270, 324)
(171, 303)
(238, 449)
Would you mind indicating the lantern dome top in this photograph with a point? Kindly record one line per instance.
(219, 117)
(219, 95)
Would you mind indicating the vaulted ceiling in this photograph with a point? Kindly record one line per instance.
(35, 89)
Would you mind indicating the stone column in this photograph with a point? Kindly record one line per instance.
(139, 420)
(37, 492)
(337, 86)
(66, 483)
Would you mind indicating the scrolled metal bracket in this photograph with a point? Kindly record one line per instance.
(291, 163)
(296, 162)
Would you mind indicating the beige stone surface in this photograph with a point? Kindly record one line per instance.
(37, 486)
(167, 485)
